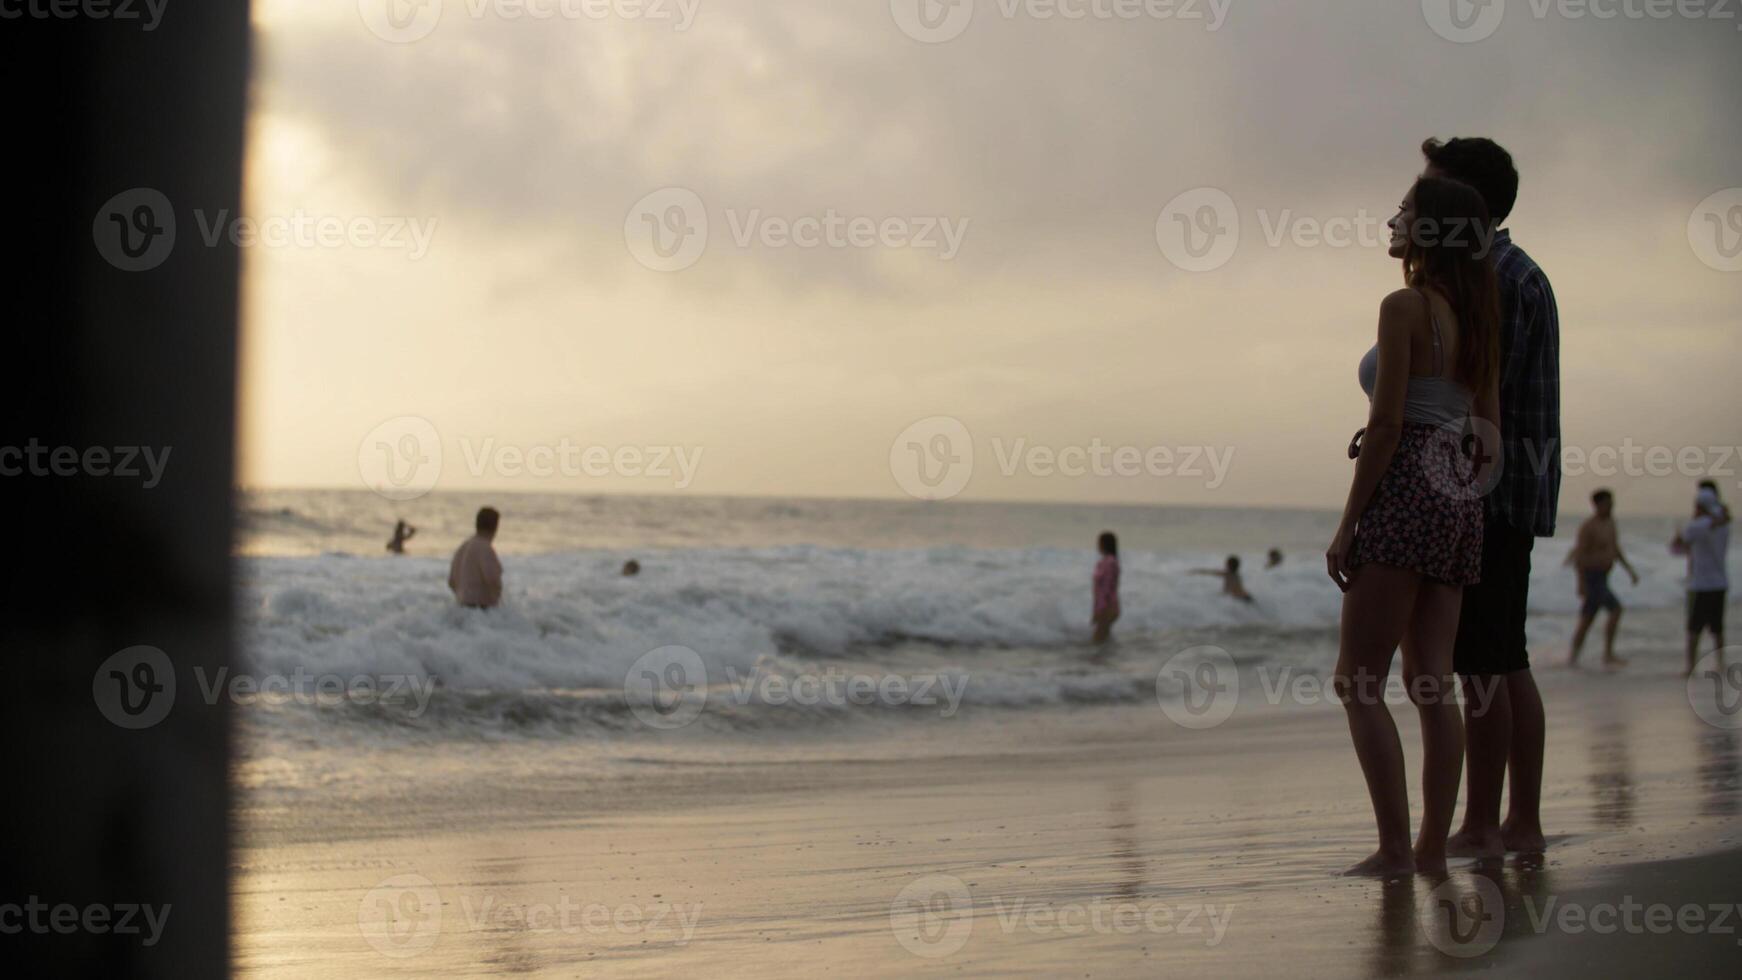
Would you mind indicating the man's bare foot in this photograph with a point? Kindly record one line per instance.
(1383, 865)
(1430, 861)
(1521, 838)
(1613, 662)
(1467, 843)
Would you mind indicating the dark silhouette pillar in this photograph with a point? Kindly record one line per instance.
(116, 797)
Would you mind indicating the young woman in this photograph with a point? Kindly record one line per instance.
(1411, 534)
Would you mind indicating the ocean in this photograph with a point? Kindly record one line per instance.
(780, 606)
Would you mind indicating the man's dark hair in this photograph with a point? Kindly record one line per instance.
(1109, 543)
(488, 518)
(1711, 485)
(1481, 163)
(1233, 563)
(1602, 497)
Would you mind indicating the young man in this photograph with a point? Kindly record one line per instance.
(1706, 540)
(1593, 557)
(1503, 716)
(476, 574)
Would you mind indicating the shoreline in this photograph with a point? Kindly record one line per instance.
(1028, 845)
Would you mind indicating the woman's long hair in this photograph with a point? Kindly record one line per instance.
(1449, 249)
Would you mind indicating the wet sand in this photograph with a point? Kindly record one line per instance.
(1669, 918)
(1103, 842)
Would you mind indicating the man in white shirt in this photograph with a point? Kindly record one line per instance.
(476, 574)
(1706, 539)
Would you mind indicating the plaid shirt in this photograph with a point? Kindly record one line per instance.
(1528, 492)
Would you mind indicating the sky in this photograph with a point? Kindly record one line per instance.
(981, 251)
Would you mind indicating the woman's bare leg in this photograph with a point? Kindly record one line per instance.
(1427, 674)
(1376, 611)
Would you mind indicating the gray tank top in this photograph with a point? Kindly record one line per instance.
(1430, 400)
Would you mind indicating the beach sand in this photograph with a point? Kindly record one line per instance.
(1104, 842)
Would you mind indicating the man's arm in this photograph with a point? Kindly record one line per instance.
(1621, 556)
(1581, 545)
(1487, 408)
(1526, 321)
(492, 568)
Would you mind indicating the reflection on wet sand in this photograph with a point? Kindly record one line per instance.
(1431, 924)
(507, 949)
(1718, 772)
(1397, 939)
(1126, 853)
(1611, 779)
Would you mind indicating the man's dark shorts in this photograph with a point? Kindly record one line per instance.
(1706, 612)
(1491, 627)
(1598, 595)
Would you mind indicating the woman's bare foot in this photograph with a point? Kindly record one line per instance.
(1517, 837)
(1469, 844)
(1384, 864)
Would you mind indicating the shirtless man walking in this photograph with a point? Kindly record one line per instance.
(1593, 557)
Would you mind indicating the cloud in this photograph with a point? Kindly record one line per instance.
(1059, 141)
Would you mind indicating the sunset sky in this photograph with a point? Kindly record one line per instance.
(524, 148)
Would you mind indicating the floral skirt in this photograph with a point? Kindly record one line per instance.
(1426, 514)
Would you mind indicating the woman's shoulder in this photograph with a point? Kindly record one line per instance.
(1405, 301)
(1401, 312)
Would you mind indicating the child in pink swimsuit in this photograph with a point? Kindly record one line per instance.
(1106, 588)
